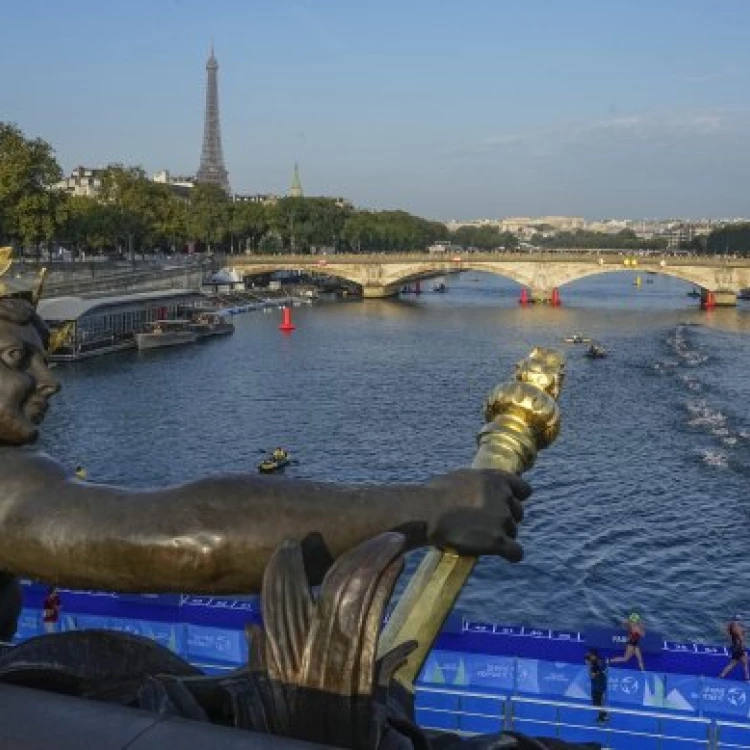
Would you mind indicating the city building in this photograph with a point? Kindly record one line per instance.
(82, 181)
(179, 184)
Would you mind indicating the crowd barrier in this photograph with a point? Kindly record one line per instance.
(689, 695)
(213, 649)
(471, 692)
(470, 713)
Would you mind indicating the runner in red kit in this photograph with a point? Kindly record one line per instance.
(51, 614)
(636, 631)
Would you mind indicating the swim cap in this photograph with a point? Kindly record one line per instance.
(736, 618)
(634, 617)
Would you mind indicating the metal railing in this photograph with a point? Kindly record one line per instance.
(576, 722)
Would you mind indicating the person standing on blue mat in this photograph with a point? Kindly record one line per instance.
(636, 631)
(598, 674)
(738, 652)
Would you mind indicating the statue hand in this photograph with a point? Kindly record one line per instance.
(486, 508)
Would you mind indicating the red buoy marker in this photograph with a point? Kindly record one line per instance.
(524, 298)
(709, 301)
(286, 323)
(555, 301)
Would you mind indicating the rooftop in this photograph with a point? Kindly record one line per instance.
(72, 308)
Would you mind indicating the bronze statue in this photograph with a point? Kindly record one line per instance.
(215, 535)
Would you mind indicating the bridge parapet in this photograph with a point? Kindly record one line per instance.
(382, 275)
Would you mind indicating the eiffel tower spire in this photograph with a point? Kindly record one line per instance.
(212, 169)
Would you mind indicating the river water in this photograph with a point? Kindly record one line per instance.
(641, 503)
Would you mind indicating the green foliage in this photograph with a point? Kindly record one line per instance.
(733, 239)
(250, 223)
(27, 170)
(390, 231)
(210, 215)
(306, 223)
(623, 240)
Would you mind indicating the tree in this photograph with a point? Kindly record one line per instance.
(730, 239)
(390, 231)
(210, 214)
(250, 222)
(28, 169)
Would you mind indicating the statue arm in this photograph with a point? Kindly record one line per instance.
(214, 535)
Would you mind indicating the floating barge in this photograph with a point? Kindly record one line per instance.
(91, 326)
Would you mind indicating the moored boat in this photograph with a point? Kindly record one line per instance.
(206, 324)
(165, 333)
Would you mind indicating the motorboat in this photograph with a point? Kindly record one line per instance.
(441, 287)
(206, 324)
(596, 351)
(577, 338)
(166, 333)
(694, 292)
(274, 461)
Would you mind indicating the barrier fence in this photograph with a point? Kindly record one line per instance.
(469, 713)
(480, 693)
(689, 695)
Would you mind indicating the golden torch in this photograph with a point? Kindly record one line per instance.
(521, 417)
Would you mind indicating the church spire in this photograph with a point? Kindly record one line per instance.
(296, 190)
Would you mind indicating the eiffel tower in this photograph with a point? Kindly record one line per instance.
(212, 169)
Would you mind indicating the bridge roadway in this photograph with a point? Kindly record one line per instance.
(383, 275)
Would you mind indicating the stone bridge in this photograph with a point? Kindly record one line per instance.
(381, 275)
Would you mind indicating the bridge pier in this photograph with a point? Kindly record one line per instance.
(380, 291)
(544, 296)
(724, 299)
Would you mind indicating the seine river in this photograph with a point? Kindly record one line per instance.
(643, 502)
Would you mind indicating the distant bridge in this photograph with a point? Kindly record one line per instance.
(383, 275)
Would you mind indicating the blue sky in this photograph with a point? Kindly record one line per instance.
(461, 109)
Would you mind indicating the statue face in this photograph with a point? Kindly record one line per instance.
(26, 383)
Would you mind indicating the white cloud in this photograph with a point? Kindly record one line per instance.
(645, 126)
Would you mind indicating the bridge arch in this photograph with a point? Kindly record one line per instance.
(695, 279)
(262, 270)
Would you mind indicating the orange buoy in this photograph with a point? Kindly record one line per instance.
(286, 323)
(709, 301)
